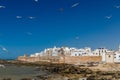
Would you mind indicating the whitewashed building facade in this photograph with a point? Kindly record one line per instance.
(117, 56)
(107, 55)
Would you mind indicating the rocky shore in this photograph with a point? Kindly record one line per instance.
(65, 72)
(77, 73)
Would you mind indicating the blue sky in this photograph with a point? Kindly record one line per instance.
(29, 26)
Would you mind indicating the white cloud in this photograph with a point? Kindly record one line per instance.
(108, 17)
(74, 5)
(2, 7)
(18, 17)
(29, 33)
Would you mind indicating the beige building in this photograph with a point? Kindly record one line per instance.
(109, 57)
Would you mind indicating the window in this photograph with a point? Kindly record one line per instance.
(105, 51)
(75, 54)
(109, 56)
(102, 50)
(79, 54)
(99, 51)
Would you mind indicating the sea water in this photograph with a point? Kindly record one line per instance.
(18, 72)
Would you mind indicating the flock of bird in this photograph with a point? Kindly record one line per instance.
(61, 9)
(110, 16)
(32, 17)
(19, 17)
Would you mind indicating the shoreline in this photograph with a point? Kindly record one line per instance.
(69, 71)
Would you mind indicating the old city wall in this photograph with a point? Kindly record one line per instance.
(82, 59)
(66, 59)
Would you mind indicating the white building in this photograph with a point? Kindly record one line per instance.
(107, 55)
(54, 51)
(117, 56)
(81, 52)
(100, 52)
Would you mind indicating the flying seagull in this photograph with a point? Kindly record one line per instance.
(29, 33)
(3, 49)
(117, 7)
(18, 17)
(61, 9)
(2, 7)
(31, 17)
(108, 17)
(36, 0)
(74, 5)
(77, 37)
